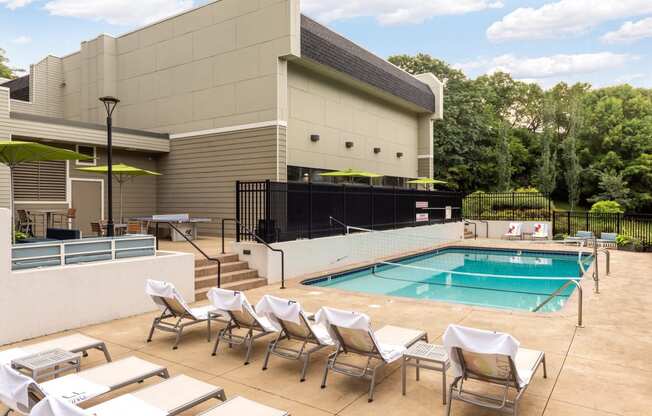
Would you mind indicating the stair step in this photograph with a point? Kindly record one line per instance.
(224, 258)
(237, 276)
(226, 268)
(200, 294)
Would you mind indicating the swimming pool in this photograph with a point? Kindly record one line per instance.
(487, 277)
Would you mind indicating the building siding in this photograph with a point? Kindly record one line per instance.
(338, 113)
(46, 78)
(5, 180)
(199, 173)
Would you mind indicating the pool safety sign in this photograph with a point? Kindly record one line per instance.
(421, 204)
(422, 217)
(449, 212)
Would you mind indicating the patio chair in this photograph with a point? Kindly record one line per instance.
(74, 343)
(294, 327)
(241, 315)
(493, 358)
(353, 334)
(515, 230)
(176, 315)
(540, 231)
(66, 220)
(26, 223)
(581, 237)
(241, 406)
(168, 398)
(87, 384)
(98, 228)
(607, 240)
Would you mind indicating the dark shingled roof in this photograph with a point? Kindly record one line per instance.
(19, 88)
(322, 45)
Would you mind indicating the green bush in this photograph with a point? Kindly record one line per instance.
(607, 207)
(627, 241)
(19, 235)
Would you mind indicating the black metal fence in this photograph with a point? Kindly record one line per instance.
(507, 206)
(281, 211)
(638, 226)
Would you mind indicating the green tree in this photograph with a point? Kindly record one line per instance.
(572, 171)
(546, 178)
(613, 187)
(5, 71)
(503, 161)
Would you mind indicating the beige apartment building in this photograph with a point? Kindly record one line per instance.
(233, 90)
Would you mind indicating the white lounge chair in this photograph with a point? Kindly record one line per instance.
(581, 238)
(540, 231)
(74, 343)
(245, 407)
(235, 306)
(607, 240)
(168, 398)
(353, 334)
(176, 314)
(515, 230)
(491, 357)
(294, 325)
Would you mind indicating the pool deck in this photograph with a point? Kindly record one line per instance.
(604, 368)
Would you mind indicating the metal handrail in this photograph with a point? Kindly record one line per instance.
(261, 241)
(219, 263)
(332, 220)
(561, 289)
(486, 223)
(607, 258)
(475, 228)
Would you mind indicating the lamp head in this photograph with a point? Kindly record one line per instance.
(109, 104)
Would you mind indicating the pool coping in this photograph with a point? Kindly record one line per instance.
(569, 309)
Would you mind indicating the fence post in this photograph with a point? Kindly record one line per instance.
(513, 206)
(549, 207)
(371, 206)
(268, 208)
(618, 223)
(394, 204)
(586, 216)
(309, 210)
(237, 211)
(554, 217)
(568, 215)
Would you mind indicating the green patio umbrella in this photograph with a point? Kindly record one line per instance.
(426, 181)
(122, 173)
(14, 153)
(351, 173)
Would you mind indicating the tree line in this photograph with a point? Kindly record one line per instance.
(577, 143)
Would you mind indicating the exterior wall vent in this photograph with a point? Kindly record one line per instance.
(376, 150)
(314, 138)
(348, 145)
(399, 154)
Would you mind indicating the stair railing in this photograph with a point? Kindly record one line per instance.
(206, 256)
(258, 239)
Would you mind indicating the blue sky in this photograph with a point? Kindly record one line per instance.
(604, 42)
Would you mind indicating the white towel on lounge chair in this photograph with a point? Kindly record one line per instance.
(514, 229)
(272, 307)
(358, 321)
(228, 300)
(158, 288)
(7, 356)
(540, 230)
(14, 388)
(54, 406)
(481, 342)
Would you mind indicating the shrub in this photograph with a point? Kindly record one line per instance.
(607, 207)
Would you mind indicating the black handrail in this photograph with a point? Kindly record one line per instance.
(219, 263)
(475, 228)
(261, 241)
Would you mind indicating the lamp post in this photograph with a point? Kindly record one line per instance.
(109, 104)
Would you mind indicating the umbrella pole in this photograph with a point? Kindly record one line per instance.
(122, 220)
(12, 225)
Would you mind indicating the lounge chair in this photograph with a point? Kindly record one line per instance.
(235, 306)
(294, 326)
(176, 314)
(515, 230)
(353, 334)
(168, 398)
(491, 357)
(540, 231)
(241, 406)
(74, 343)
(581, 237)
(607, 240)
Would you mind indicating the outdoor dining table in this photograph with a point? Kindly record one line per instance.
(47, 215)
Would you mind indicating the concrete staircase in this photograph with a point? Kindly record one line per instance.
(236, 275)
(468, 235)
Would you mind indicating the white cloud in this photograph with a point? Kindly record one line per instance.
(564, 18)
(15, 4)
(393, 12)
(118, 12)
(22, 40)
(630, 32)
(553, 66)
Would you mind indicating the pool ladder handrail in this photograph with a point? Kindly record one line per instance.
(561, 289)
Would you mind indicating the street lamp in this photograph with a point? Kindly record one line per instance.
(109, 104)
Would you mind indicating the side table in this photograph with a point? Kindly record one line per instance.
(428, 356)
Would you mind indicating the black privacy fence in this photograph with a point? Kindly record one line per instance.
(638, 226)
(508, 206)
(285, 211)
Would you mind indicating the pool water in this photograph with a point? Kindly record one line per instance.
(488, 277)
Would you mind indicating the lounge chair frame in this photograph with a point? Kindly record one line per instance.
(174, 309)
(367, 371)
(254, 331)
(290, 353)
(456, 390)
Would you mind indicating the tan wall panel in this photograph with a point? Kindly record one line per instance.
(200, 172)
(5, 181)
(319, 105)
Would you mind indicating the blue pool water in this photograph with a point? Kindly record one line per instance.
(487, 277)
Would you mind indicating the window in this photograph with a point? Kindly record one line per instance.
(88, 151)
(40, 181)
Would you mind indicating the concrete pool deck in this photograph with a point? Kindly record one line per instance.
(604, 368)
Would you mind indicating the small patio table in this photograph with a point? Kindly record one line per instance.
(421, 352)
(48, 363)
